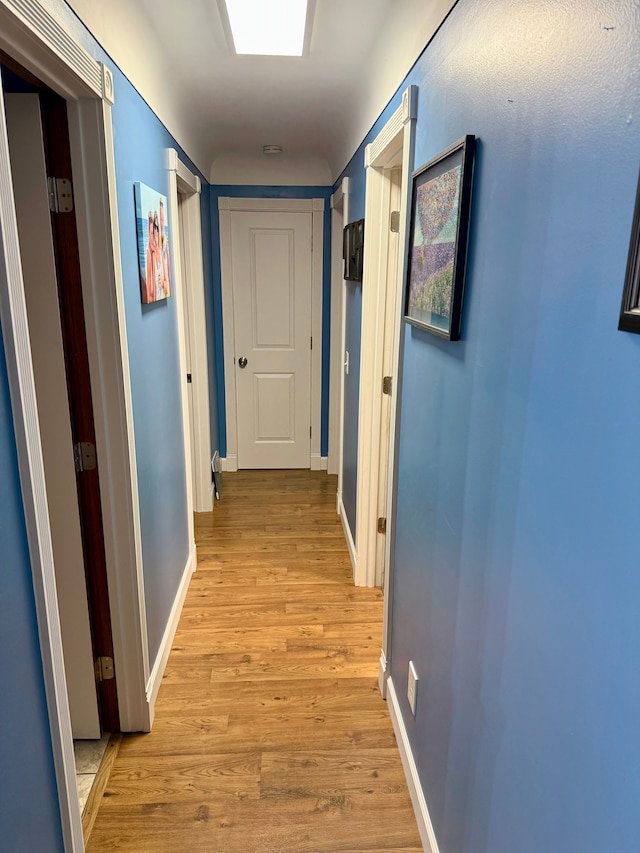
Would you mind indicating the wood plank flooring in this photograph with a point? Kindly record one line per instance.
(270, 733)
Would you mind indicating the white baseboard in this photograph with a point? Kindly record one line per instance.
(318, 463)
(425, 827)
(347, 533)
(155, 679)
(229, 462)
(382, 675)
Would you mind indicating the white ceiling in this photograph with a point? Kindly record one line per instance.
(221, 106)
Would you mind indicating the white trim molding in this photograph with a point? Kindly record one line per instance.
(318, 463)
(15, 333)
(353, 555)
(191, 281)
(315, 206)
(178, 289)
(278, 205)
(317, 226)
(160, 664)
(339, 216)
(409, 111)
(423, 819)
(29, 30)
(392, 145)
(229, 462)
(383, 671)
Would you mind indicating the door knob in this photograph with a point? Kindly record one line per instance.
(242, 361)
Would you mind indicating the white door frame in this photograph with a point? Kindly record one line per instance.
(33, 36)
(191, 304)
(339, 214)
(315, 206)
(397, 135)
(26, 138)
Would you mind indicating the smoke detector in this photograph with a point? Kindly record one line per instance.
(272, 149)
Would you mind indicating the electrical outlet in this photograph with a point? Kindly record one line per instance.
(412, 687)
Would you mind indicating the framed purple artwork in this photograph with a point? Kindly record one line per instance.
(438, 237)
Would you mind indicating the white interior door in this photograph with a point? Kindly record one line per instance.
(271, 268)
(41, 296)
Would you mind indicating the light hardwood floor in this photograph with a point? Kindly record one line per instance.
(270, 733)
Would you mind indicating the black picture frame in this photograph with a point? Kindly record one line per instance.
(438, 239)
(353, 250)
(630, 308)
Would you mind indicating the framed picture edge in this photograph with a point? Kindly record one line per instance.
(467, 145)
(140, 188)
(629, 316)
(353, 250)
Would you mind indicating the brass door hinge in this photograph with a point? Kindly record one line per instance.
(60, 195)
(382, 525)
(84, 456)
(387, 385)
(104, 669)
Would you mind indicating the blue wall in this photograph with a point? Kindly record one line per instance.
(29, 818)
(152, 333)
(256, 191)
(516, 585)
(140, 142)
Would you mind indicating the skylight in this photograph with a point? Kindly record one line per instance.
(274, 28)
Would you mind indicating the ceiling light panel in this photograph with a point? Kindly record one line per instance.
(274, 28)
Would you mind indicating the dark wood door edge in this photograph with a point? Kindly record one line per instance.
(65, 240)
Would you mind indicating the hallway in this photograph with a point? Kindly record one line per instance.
(270, 732)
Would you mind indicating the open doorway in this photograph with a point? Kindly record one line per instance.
(42, 184)
(388, 161)
(187, 225)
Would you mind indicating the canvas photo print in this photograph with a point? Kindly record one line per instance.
(154, 257)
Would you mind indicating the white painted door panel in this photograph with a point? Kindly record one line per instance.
(271, 258)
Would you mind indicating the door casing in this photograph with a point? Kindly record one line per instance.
(186, 225)
(339, 218)
(24, 123)
(397, 136)
(339, 358)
